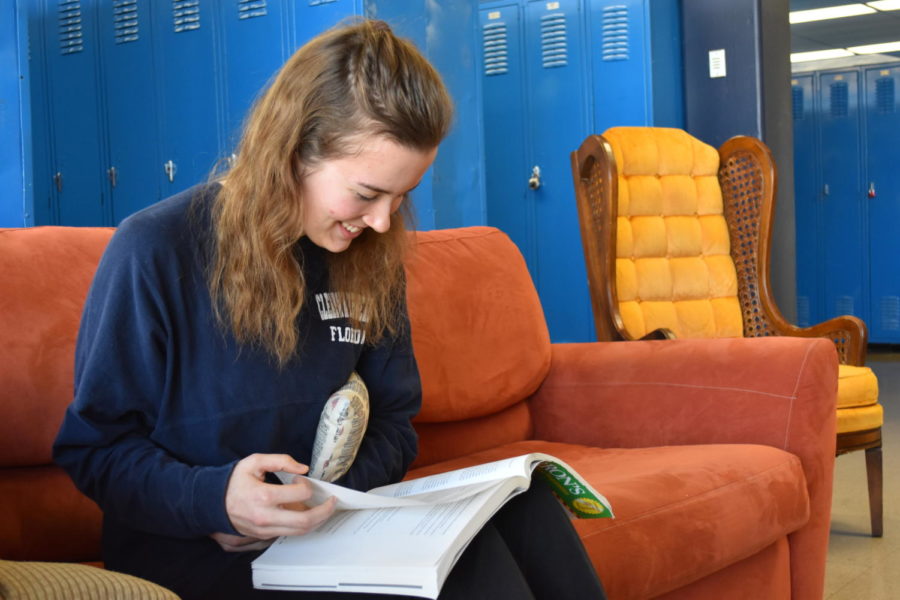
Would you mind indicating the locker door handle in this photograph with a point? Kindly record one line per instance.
(826, 190)
(170, 169)
(534, 182)
(871, 192)
(113, 176)
(57, 181)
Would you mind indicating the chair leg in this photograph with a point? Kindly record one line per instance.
(873, 474)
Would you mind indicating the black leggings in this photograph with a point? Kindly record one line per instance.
(529, 549)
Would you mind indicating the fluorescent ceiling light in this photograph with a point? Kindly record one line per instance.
(820, 55)
(831, 12)
(876, 48)
(885, 4)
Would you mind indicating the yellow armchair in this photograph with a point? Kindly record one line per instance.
(677, 240)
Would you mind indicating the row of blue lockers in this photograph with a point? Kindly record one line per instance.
(847, 183)
(134, 100)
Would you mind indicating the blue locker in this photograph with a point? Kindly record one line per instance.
(618, 42)
(843, 227)
(557, 124)
(130, 105)
(190, 113)
(42, 161)
(882, 196)
(314, 16)
(505, 117)
(452, 193)
(70, 38)
(806, 201)
(257, 40)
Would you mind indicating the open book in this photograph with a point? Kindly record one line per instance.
(404, 538)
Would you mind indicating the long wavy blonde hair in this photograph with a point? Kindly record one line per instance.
(356, 79)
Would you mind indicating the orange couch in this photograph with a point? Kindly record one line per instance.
(717, 455)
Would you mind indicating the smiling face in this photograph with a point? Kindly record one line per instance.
(344, 196)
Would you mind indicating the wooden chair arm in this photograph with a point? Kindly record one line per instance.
(848, 333)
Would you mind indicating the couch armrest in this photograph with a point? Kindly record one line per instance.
(70, 581)
(776, 391)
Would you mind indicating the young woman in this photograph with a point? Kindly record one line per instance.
(221, 319)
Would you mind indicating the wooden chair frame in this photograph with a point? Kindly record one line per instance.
(748, 179)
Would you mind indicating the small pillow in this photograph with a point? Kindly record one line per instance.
(71, 581)
(342, 426)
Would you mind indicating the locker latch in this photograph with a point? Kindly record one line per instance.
(57, 181)
(871, 192)
(113, 176)
(170, 170)
(534, 182)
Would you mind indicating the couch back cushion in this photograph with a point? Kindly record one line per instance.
(46, 272)
(479, 332)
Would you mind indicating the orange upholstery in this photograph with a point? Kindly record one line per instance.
(714, 497)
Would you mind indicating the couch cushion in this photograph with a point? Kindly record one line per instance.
(49, 269)
(478, 328)
(682, 512)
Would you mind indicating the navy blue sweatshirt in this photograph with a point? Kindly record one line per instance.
(166, 401)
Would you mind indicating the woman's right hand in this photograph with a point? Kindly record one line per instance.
(264, 510)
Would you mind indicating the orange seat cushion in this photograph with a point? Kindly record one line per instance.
(684, 512)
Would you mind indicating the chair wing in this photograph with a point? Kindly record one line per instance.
(748, 179)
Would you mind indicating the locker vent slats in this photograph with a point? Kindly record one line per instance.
(844, 305)
(797, 101)
(890, 313)
(125, 19)
(884, 95)
(839, 99)
(496, 47)
(185, 15)
(803, 315)
(71, 36)
(614, 39)
(249, 9)
(318, 2)
(554, 41)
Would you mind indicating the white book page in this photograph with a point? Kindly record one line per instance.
(442, 487)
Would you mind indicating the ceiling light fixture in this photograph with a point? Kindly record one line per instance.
(820, 55)
(885, 4)
(831, 12)
(876, 48)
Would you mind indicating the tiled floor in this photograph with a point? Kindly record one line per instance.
(861, 567)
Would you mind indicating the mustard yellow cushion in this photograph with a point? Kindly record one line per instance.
(674, 268)
(857, 386)
(859, 418)
(21, 580)
(858, 408)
